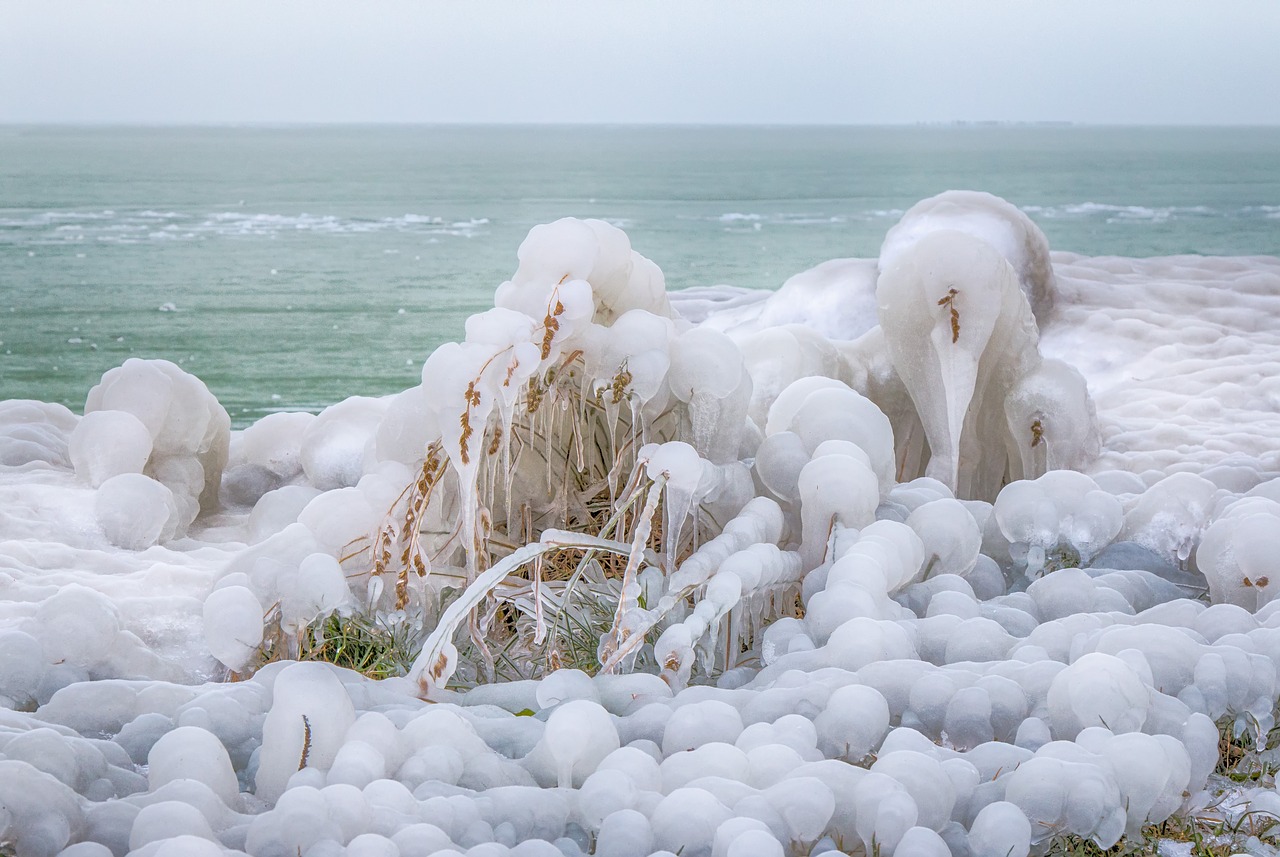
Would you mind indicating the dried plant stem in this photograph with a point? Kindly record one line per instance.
(306, 742)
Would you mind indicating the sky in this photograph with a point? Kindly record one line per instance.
(624, 61)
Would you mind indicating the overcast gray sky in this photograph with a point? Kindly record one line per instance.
(738, 61)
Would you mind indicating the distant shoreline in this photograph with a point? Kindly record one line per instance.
(10, 124)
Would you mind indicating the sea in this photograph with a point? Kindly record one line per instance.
(292, 267)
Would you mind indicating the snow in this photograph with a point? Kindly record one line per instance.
(951, 551)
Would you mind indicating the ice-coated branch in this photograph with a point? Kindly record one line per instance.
(433, 666)
(619, 634)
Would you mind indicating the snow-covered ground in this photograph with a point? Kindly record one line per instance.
(950, 552)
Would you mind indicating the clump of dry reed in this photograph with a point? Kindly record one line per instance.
(567, 461)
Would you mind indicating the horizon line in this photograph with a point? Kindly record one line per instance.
(394, 123)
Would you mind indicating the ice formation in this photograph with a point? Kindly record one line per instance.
(994, 221)
(961, 336)
(951, 552)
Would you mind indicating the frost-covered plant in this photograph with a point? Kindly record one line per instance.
(537, 425)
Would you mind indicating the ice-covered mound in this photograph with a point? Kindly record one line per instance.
(960, 334)
(1060, 519)
(837, 299)
(34, 434)
(993, 221)
(151, 419)
(728, 615)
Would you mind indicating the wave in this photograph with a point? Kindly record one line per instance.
(113, 226)
(1111, 213)
(739, 221)
(131, 227)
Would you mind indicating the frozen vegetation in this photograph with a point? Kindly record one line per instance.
(964, 550)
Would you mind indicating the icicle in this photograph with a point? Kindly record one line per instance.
(731, 647)
(611, 411)
(468, 493)
(491, 468)
(643, 424)
(539, 615)
(548, 433)
(704, 408)
(637, 422)
(504, 450)
(576, 429)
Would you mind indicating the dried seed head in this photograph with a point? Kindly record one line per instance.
(621, 382)
(549, 326)
(949, 300)
(1037, 433)
(466, 436)
(534, 395)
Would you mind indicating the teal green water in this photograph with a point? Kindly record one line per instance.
(289, 253)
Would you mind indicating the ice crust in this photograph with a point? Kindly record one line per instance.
(843, 628)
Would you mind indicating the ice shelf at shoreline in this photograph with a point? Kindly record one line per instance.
(953, 551)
